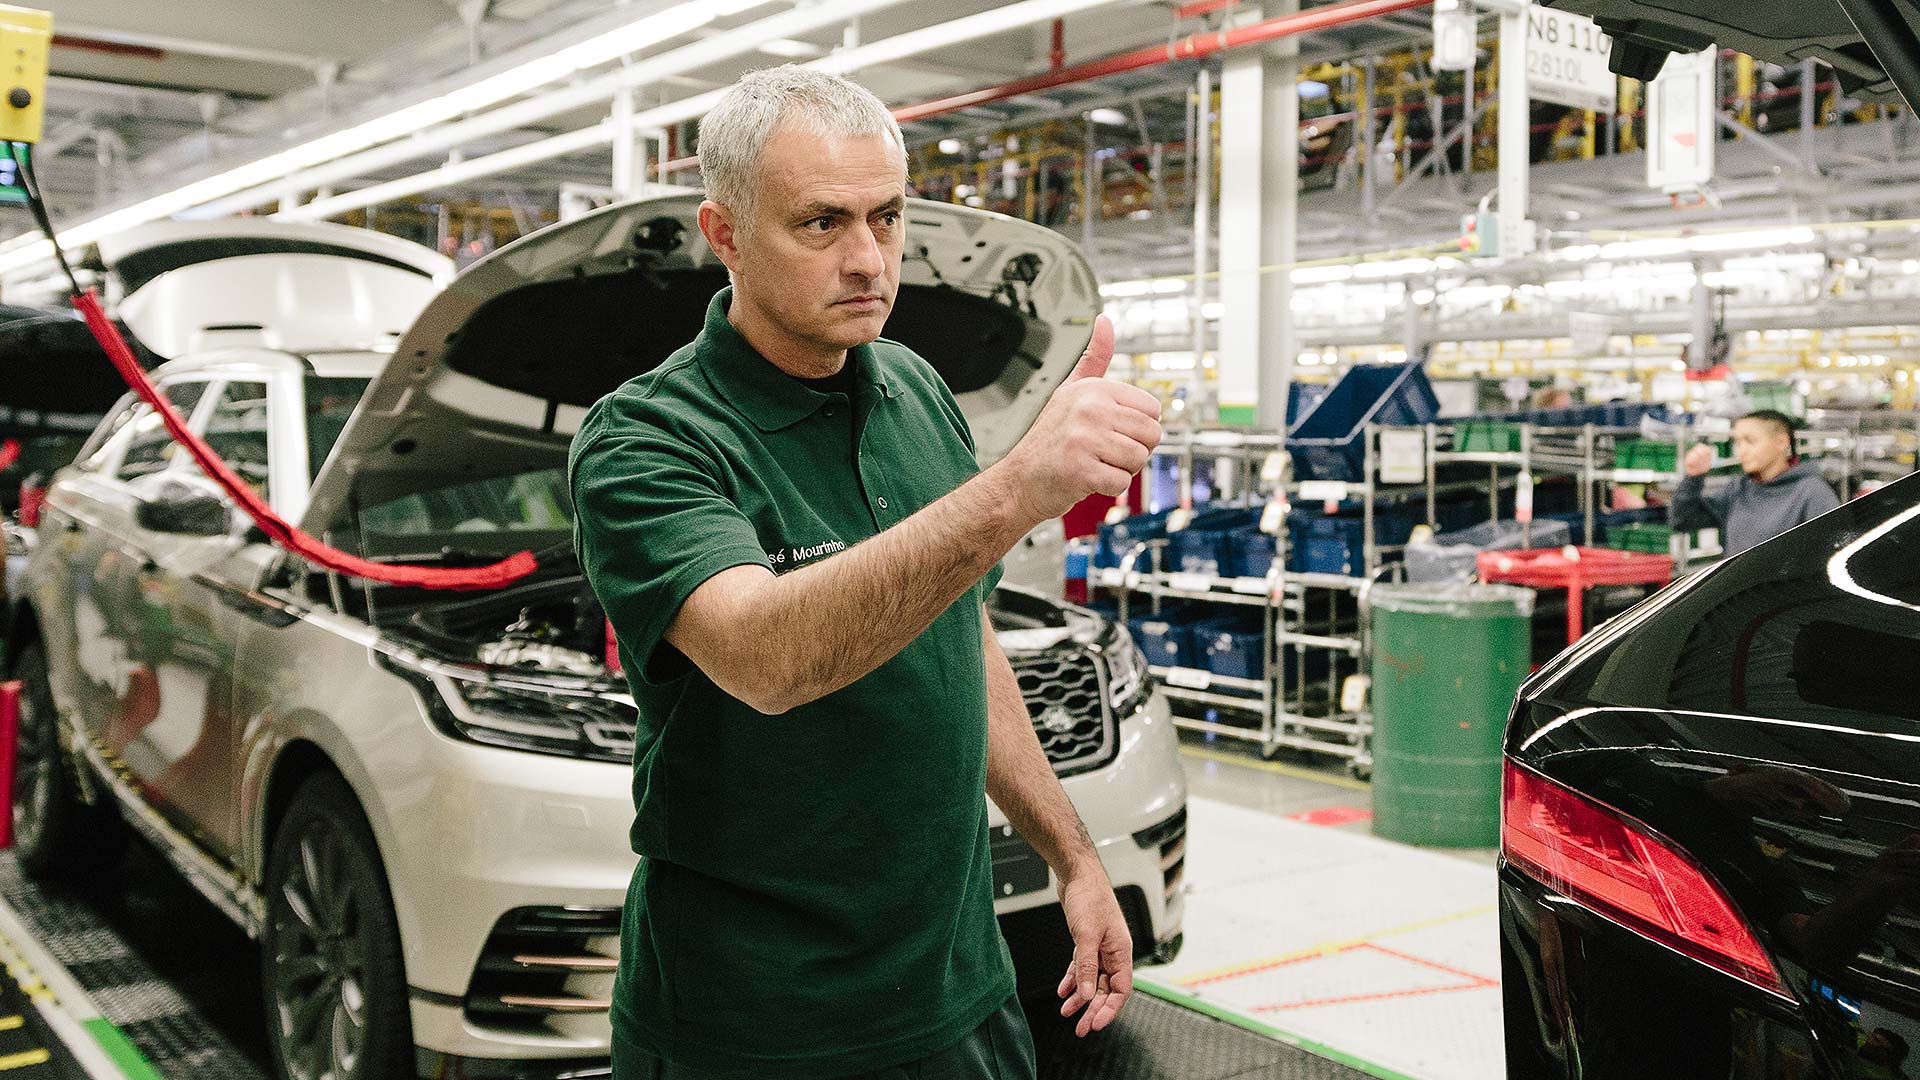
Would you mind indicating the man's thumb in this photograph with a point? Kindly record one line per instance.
(1093, 363)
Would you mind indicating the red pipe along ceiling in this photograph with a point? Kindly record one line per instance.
(1196, 47)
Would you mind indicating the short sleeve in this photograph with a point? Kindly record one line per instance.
(651, 522)
(992, 580)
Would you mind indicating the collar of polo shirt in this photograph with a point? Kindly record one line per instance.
(762, 392)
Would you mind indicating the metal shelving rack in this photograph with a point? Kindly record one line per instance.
(1301, 612)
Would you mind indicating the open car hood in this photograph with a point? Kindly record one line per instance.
(186, 286)
(1870, 44)
(496, 374)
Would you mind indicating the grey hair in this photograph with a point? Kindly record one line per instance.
(736, 130)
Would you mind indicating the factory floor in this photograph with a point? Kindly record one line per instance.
(1314, 951)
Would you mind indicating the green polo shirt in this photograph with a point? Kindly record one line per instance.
(814, 896)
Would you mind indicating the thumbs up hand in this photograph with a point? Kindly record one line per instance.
(1094, 435)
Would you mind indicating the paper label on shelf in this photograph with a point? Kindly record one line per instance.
(1189, 678)
(1251, 586)
(1271, 517)
(1353, 693)
(1189, 582)
(1332, 491)
(1178, 518)
(1273, 466)
(1110, 575)
(1403, 457)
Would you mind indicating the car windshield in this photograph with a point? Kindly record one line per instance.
(493, 514)
(331, 399)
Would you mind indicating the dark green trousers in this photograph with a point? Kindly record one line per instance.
(1001, 1048)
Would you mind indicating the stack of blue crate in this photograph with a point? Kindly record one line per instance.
(1336, 543)
(1229, 645)
(1165, 638)
(1203, 546)
(1115, 539)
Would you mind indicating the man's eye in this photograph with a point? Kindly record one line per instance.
(824, 224)
(890, 218)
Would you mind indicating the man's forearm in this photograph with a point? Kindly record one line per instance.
(857, 609)
(1691, 508)
(1021, 781)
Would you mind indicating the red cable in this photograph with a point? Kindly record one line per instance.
(492, 576)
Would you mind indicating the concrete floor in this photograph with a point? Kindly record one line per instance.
(1303, 925)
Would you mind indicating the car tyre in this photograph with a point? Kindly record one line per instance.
(331, 972)
(56, 835)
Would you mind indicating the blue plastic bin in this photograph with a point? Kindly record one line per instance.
(1249, 553)
(1115, 539)
(1202, 547)
(1335, 544)
(1327, 443)
(1165, 638)
(1229, 645)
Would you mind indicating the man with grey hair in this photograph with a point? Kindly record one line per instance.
(791, 536)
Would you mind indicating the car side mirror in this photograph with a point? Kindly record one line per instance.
(180, 509)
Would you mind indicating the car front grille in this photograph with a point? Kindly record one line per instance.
(545, 962)
(1066, 693)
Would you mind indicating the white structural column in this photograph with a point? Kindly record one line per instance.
(1259, 195)
(1516, 232)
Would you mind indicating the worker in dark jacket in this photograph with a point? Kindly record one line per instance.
(1777, 492)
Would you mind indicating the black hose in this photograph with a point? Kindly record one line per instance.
(22, 154)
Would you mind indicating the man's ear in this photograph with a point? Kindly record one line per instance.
(716, 224)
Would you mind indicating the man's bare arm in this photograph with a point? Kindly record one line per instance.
(1020, 779)
(1022, 784)
(776, 642)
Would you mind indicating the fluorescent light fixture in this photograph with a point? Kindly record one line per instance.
(912, 43)
(1110, 117)
(791, 48)
(1169, 285)
(1755, 238)
(1422, 297)
(1315, 275)
(1121, 288)
(950, 146)
(1387, 268)
(641, 33)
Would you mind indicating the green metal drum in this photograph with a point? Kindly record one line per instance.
(1447, 660)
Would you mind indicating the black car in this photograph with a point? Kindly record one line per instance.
(1710, 850)
(1711, 832)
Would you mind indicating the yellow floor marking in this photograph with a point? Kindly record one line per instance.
(8, 1023)
(23, 1059)
(1327, 948)
(1295, 771)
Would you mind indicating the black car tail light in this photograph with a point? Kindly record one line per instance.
(1617, 868)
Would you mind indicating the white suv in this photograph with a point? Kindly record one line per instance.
(417, 800)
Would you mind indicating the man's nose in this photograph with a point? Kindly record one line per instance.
(864, 259)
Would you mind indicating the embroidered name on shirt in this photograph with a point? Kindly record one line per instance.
(790, 557)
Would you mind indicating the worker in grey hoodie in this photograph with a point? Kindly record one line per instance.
(1777, 492)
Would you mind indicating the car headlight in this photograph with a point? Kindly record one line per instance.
(1128, 682)
(562, 718)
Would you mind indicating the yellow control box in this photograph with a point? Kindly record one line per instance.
(25, 37)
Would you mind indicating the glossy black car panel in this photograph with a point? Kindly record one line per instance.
(1764, 719)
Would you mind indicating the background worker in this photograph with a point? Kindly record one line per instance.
(1776, 491)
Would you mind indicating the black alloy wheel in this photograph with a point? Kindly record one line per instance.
(336, 997)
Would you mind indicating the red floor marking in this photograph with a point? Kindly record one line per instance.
(1385, 996)
(1478, 979)
(1474, 982)
(1332, 815)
